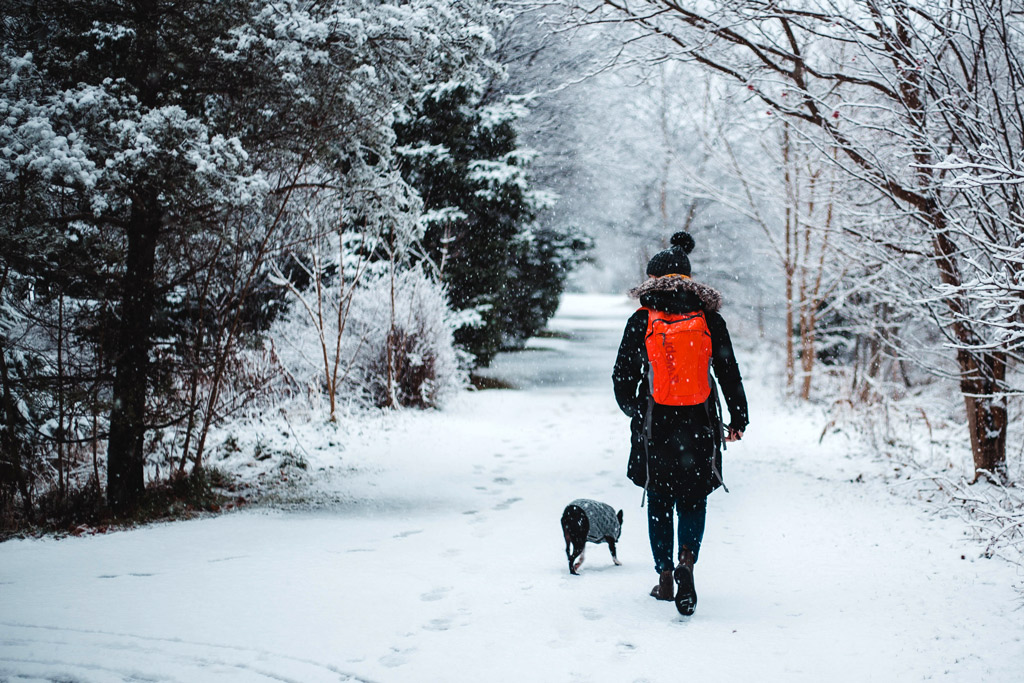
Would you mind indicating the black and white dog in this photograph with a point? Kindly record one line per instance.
(589, 520)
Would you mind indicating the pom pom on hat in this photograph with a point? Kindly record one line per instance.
(684, 241)
(673, 261)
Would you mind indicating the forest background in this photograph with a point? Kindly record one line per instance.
(220, 219)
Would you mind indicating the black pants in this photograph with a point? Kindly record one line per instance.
(659, 527)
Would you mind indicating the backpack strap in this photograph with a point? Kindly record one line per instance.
(715, 418)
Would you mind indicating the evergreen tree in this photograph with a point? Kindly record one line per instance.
(124, 87)
(465, 160)
(150, 154)
(543, 257)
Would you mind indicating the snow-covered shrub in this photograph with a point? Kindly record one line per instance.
(395, 346)
(418, 364)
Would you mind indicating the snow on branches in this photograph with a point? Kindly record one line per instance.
(886, 91)
(155, 160)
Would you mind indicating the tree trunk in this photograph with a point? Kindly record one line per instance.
(63, 469)
(125, 454)
(873, 361)
(807, 355)
(982, 376)
(790, 256)
(12, 476)
(982, 373)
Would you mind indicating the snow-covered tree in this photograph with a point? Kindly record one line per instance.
(904, 93)
(464, 158)
(149, 144)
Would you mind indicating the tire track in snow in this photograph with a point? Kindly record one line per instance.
(147, 658)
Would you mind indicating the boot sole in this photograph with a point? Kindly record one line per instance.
(686, 594)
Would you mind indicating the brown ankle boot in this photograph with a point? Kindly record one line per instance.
(664, 589)
(686, 593)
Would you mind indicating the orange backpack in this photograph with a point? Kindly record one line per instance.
(679, 352)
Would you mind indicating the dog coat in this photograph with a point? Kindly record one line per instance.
(602, 518)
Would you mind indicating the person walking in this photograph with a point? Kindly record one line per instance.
(662, 383)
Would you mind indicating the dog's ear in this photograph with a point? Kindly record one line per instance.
(619, 516)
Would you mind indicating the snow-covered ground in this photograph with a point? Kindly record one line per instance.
(441, 559)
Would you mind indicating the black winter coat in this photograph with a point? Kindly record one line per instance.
(685, 440)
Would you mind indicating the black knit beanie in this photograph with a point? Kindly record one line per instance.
(673, 261)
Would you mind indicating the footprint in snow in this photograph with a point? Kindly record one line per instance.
(396, 657)
(117, 576)
(503, 480)
(506, 504)
(435, 594)
(406, 534)
(442, 624)
(591, 614)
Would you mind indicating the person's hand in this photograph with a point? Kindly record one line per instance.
(734, 435)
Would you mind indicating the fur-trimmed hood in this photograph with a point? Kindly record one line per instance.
(654, 288)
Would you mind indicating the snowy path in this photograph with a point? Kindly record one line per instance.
(447, 564)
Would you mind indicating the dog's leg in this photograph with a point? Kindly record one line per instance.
(611, 546)
(579, 561)
(575, 527)
(568, 551)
